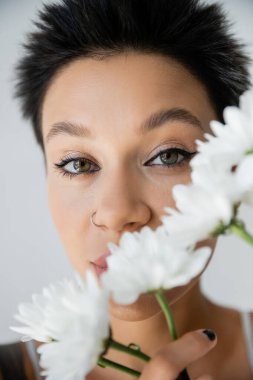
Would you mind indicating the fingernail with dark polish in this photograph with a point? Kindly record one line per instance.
(210, 334)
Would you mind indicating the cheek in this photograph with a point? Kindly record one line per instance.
(69, 203)
(70, 217)
(64, 211)
(164, 179)
(160, 193)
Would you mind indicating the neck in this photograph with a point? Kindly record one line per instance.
(148, 328)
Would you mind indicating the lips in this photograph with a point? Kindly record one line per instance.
(101, 261)
(99, 270)
(100, 265)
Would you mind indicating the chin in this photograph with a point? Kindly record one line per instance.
(146, 305)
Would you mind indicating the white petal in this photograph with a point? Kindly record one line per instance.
(75, 314)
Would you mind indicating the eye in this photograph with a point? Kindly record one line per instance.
(75, 166)
(170, 157)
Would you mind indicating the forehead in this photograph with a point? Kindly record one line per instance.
(122, 89)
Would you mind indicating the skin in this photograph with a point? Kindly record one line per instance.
(112, 98)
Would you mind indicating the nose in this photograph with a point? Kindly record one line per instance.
(120, 205)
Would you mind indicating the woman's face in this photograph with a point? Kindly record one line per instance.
(94, 117)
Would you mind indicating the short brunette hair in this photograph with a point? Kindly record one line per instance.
(194, 33)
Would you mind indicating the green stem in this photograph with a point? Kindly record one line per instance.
(134, 352)
(160, 296)
(102, 362)
(238, 228)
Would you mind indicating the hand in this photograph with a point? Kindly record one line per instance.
(171, 360)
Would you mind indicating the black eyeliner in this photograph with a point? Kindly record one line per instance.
(64, 161)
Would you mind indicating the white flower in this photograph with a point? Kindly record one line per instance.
(148, 260)
(199, 213)
(72, 317)
(231, 141)
(215, 182)
(209, 202)
(203, 205)
(244, 178)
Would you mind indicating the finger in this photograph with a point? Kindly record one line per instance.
(191, 347)
(170, 361)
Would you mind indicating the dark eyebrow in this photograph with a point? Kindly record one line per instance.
(173, 114)
(67, 128)
(157, 119)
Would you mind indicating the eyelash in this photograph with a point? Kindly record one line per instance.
(60, 166)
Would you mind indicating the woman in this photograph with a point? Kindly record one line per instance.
(118, 92)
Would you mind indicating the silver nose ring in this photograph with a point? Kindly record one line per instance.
(91, 219)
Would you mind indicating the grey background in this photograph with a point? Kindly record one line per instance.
(31, 254)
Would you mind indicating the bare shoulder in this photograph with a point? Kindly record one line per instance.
(251, 318)
(15, 362)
